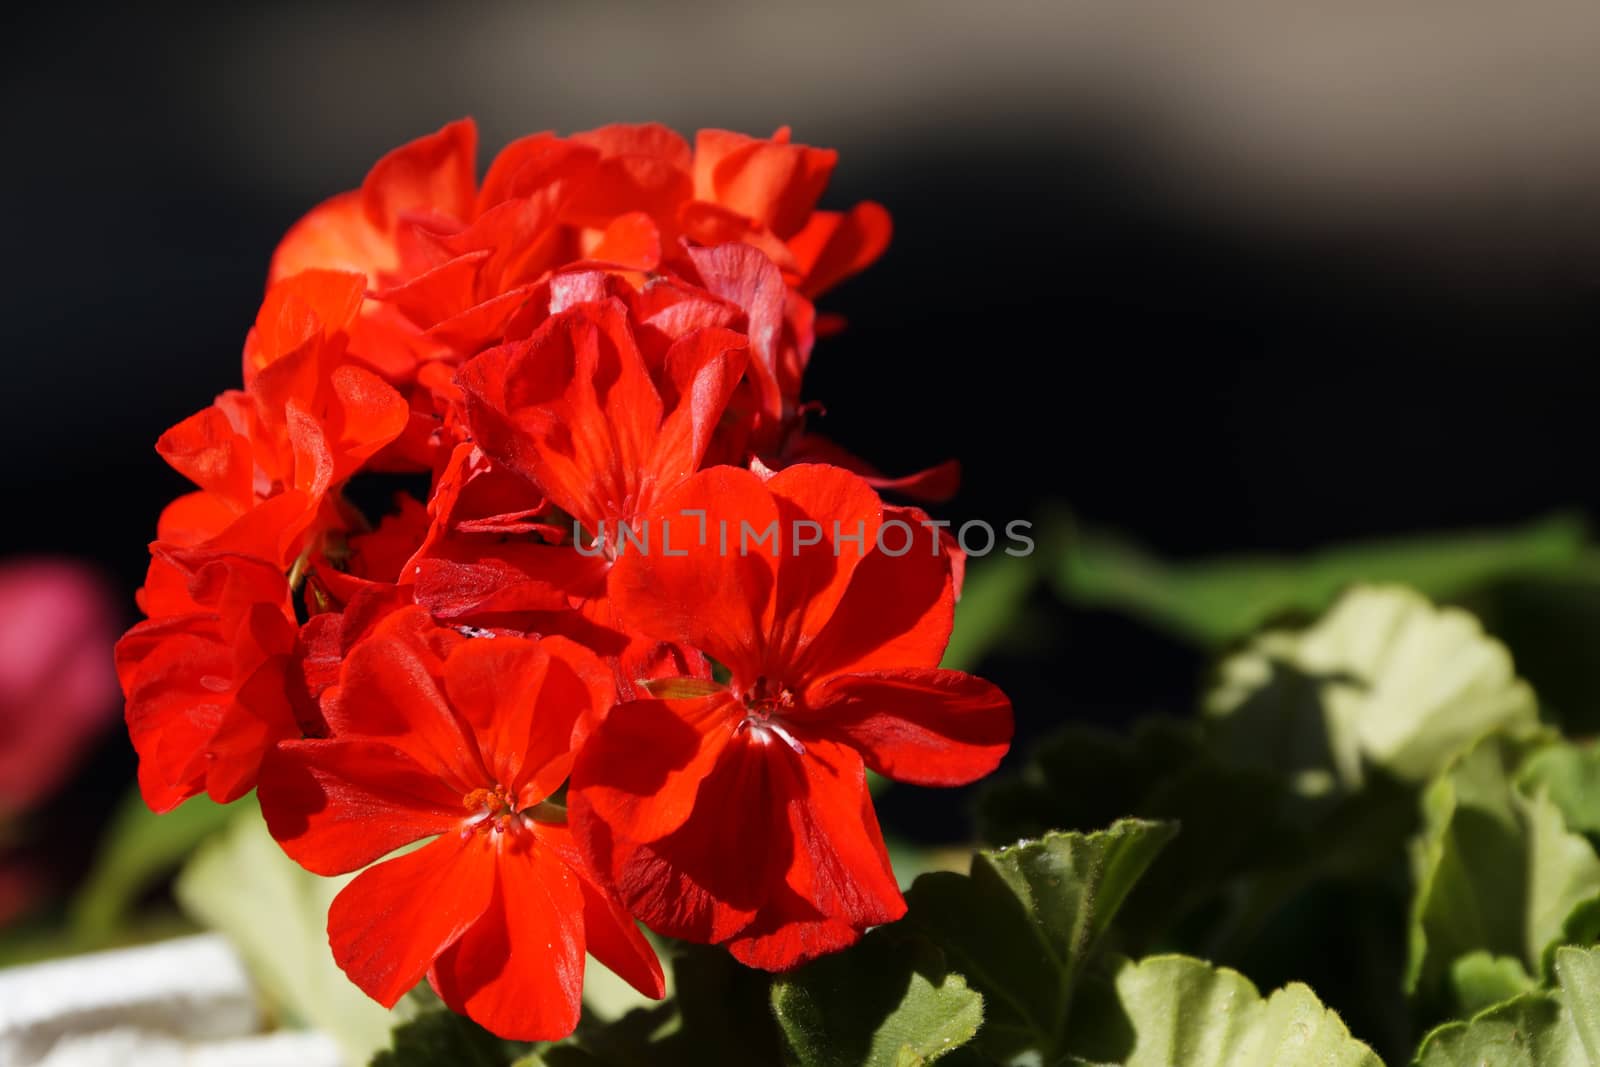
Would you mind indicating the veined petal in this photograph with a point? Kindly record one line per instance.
(388, 926)
(523, 705)
(390, 690)
(713, 593)
(518, 971)
(640, 769)
(897, 612)
(834, 245)
(433, 174)
(927, 727)
(840, 862)
(709, 879)
(338, 805)
(840, 516)
(789, 931)
(610, 934)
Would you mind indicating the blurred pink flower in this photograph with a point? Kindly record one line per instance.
(58, 688)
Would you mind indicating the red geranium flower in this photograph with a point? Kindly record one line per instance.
(739, 813)
(461, 740)
(204, 676)
(575, 411)
(454, 267)
(269, 460)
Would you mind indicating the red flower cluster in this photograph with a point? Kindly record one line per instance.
(593, 362)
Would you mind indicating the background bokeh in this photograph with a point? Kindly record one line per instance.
(1221, 276)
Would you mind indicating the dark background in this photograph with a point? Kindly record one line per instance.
(1218, 276)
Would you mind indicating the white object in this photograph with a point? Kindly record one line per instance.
(181, 1003)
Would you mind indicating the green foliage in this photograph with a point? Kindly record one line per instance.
(993, 596)
(141, 849)
(1559, 1028)
(439, 1037)
(892, 1001)
(1028, 919)
(1214, 602)
(1367, 804)
(1481, 980)
(276, 915)
(1570, 776)
(1383, 680)
(1173, 1011)
(1497, 871)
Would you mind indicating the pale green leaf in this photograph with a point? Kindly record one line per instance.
(1175, 1011)
(1481, 980)
(1570, 774)
(1384, 680)
(1496, 871)
(276, 915)
(1559, 1028)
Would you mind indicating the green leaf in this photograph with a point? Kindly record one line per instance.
(276, 915)
(1560, 1028)
(1246, 846)
(889, 1001)
(1480, 980)
(1216, 601)
(1175, 1011)
(1496, 871)
(139, 850)
(992, 597)
(1384, 680)
(439, 1037)
(1570, 774)
(1028, 919)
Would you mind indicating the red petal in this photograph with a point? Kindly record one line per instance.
(833, 246)
(839, 882)
(388, 926)
(928, 727)
(844, 516)
(338, 805)
(609, 932)
(840, 862)
(650, 139)
(718, 597)
(301, 309)
(432, 175)
(390, 690)
(933, 484)
(789, 931)
(523, 705)
(897, 612)
(639, 770)
(572, 409)
(631, 242)
(775, 183)
(530, 164)
(211, 453)
(745, 277)
(708, 879)
(501, 577)
(336, 235)
(702, 370)
(518, 971)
